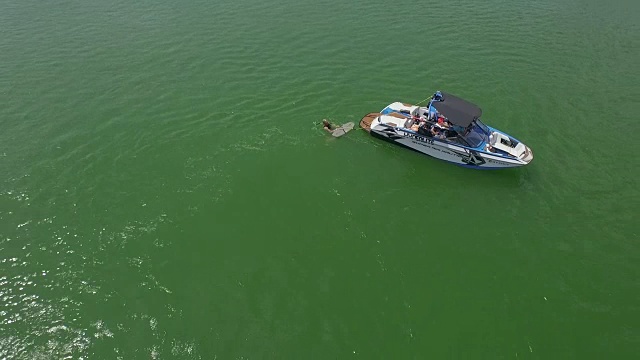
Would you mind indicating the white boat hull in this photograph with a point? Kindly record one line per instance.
(444, 151)
(378, 126)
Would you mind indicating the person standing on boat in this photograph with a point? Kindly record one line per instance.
(326, 125)
(431, 116)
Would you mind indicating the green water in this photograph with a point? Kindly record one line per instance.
(166, 191)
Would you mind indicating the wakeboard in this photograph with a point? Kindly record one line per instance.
(343, 129)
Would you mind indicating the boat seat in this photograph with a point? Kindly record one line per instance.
(408, 123)
(499, 139)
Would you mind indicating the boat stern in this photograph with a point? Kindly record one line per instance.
(367, 120)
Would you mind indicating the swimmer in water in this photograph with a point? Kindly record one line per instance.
(326, 125)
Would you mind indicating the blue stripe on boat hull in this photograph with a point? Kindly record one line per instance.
(378, 136)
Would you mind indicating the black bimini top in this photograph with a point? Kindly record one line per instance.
(459, 111)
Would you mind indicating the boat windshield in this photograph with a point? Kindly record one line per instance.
(483, 126)
(477, 134)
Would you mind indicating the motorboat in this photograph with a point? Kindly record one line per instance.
(448, 128)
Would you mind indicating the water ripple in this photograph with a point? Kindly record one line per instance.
(127, 123)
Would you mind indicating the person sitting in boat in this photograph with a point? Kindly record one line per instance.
(443, 122)
(326, 125)
(415, 122)
(437, 132)
(423, 129)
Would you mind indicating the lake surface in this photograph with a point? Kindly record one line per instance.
(166, 191)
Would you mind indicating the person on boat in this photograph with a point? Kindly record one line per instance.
(443, 122)
(415, 122)
(431, 115)
(437, 132)
(326, 125)
(423, 129)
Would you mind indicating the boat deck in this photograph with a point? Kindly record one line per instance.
(366, 121)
